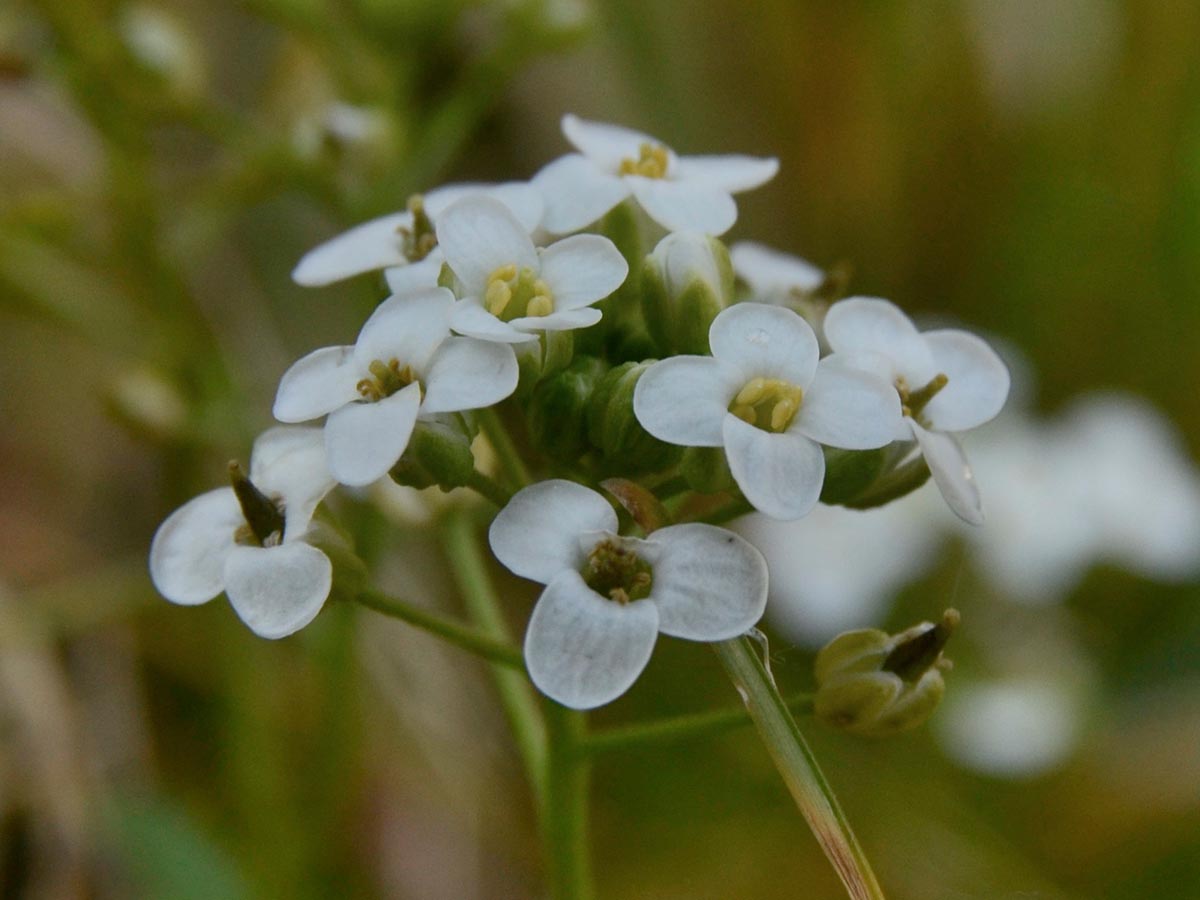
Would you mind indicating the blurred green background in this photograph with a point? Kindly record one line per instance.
(1030, 167)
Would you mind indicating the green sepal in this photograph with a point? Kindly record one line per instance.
(678, 315)
(849, 473)
(707, 470)
(614, 430)
(558, 408)
(538, 360)
(438, 453)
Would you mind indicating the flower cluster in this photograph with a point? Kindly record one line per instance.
(598, 311)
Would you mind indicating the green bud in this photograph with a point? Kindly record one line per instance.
(439, 452)
(686, 281)
(850, 473)
(707, 470)
(875, 684)
(537, 360)
(558, 409)
(614, 430)
(349, 572)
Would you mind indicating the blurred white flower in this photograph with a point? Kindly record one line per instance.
(771, 275)
(681, 193)
(607, 597)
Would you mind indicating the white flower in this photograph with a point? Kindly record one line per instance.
(772, 275)
(764, 396)
(681, 193)
(511, 290)
(402, 245)
(948, 380)
(403, 365)
(607, 597)
(275, 581)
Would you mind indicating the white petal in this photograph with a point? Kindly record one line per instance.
(685, 205)
(978, 384)
(537, 534)
(566, 320)
(848, 408)
(277, 590)
(187, 555)
(732, 173)
(767, 341)
(767, 270)
(478, 235)
(317, 384)
(870, 324)
(364, 440)
(522, 199)
(364, 248)
(604, 144)
(415, 276)
(582, 269)
(576, 193)
(584, 650)
(469, 374)
(408, 328)
(290, 461)
(473, 320)
(684, 400)
(709, 584)
(780, 474)
(951, 472)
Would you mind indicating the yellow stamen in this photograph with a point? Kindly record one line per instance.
(652, 162)
(513, 293)
(767, 403)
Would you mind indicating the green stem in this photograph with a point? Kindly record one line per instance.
(497, 651)
(798, 766)
(506, 450)
(488, 488)
(679, 728)
(565, 810)
(516, 694)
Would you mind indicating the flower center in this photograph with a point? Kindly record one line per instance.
(514, 293)
(913, 402)
(616, 572)
(386, 379)
(767, 403)
(416, 242)
(652, 162)
(264, 523)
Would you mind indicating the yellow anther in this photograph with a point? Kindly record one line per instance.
(767, 403)
(752, 392)
(744, 412)
(386, 379)
(783, 413)
(541, 305)
(497, 298)
(652, 162)
(504, 273)
(540, 287)
(513, 293)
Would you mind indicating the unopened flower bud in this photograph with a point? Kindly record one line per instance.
(875, 684)
(686, 281)
(349, 572)
(439, 452)
(558, 409)
(614, 430)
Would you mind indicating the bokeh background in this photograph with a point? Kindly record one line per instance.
(1028, 167)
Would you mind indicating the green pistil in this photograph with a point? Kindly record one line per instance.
(913, 402)
(514, 293)
(616, 572)
(264, 516)
(767, 403)
(386, 379)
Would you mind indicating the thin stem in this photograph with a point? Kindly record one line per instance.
(506, 450)
(565, 811)
(487, 488)
(689, 727)
(469, 639)
(799, 768)
(516, 694)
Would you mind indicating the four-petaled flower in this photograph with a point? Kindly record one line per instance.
(404, 243)
(249, 540)
(607, 597)
(403, 365)
(770, 402)
(948, 381)
(510, 290)
(681, 193)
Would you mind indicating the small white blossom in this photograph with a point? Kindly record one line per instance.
(395, 242)
(404, 365)
(773, 276)
(764, 396)
(681, 193)
(276, 582)
(607, 597)
(511, 290)
(948, 380)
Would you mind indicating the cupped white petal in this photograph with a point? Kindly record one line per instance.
(848, 408)
(317, 384)
(685, 205)
(780, 474)
(415, 276)
(187, 555)
(467, 373)
(479, 235)
(407, 328)
(951, 472)
(581, 269)
(767, 270)
(364, 248)
(684, 400)
(276, 591)
(364, 440)
(767, 341)
(709, 583)
(565, 320)
(871, 324)
(290, 461)
(576, 193)
(471, 319)
(584, 650)
(978, 381)
(522, 199)
(604, 144)
(732, 173)
(537, 534)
